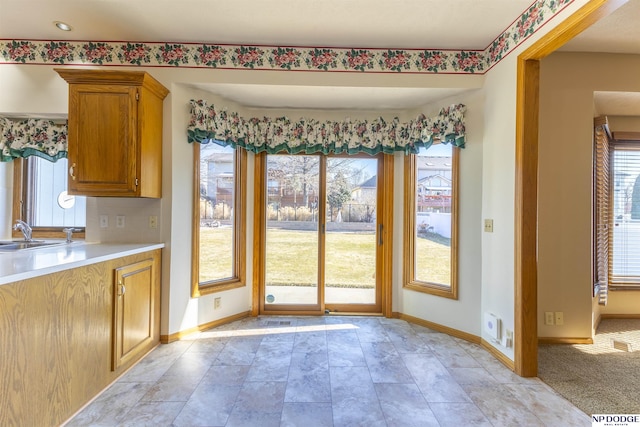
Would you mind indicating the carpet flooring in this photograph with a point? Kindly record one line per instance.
(598, 378)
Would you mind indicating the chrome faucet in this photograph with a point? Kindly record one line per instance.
(69, 233)
(25, 228)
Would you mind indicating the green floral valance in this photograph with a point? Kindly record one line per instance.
(32, 137)
(274, 135)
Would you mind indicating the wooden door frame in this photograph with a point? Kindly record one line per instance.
(526, 179)
(385, 208)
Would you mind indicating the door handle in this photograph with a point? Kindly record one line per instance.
(72, 172)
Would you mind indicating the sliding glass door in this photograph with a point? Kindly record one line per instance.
(350, 238)
(292, 225)
(321, 234)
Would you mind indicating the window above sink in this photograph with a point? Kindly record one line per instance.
(42, 200)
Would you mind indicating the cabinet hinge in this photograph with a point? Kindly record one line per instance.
(136, 182)
(137, 96)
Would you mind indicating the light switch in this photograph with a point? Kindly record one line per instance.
(104, 221)
(120, 221)
(548, 318)
(488, 226)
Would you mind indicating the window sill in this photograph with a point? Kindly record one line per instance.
(212, 288)
(432, 289)
(49, 233)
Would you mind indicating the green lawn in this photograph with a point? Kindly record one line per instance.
(215, 253)
(292, 258)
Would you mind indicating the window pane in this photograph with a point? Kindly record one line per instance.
(217, 221)
(291, 259)
(625, 245)
(350, 240)
(433, 196)
(47, 201)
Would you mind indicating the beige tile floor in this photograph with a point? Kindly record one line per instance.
(325, 371)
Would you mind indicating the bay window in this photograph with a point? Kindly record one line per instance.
(431, 217)
(218, 245)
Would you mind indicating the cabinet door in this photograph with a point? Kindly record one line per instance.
(133, 311)
(102, 140)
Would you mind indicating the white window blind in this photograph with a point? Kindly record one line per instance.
(624, 242)
(46, 192)
(601, 212)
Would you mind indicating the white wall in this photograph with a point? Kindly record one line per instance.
(565, 189)
(464, 313)
(567, 83)
(498, 182)
(498, 189)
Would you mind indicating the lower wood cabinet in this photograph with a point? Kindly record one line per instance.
(66, 336)
(134, 311)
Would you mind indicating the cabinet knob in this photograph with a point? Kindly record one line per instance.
(72, 172)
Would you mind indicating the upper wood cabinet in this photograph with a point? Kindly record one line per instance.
(115, 133)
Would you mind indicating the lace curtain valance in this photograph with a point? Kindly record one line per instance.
(273, 135)
(32, 137)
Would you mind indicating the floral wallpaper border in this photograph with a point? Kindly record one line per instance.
(207, 55)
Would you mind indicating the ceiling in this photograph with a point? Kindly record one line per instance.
(329, 23)
(616, 103)
(617, 33)
(407, 24)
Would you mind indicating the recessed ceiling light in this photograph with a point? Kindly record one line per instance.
(62, 26)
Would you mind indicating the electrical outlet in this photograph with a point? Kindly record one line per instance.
(120, 221)
(488, 226)
(104, 221)
(217, 302)
(548, 318)
(559, 318)
(153, 221)
(508, 338)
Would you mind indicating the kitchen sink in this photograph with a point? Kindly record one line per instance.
(18, 245)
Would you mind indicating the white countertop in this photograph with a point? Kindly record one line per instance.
(30, 263)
